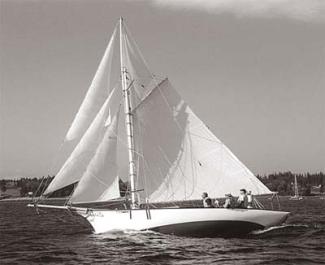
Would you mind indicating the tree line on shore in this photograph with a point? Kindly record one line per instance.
(282, 182)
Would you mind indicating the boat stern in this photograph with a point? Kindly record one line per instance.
(273, 218)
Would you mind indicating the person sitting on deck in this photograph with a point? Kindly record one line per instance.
(242, 199)
(216, 203)
(229, 202)
(207, 202)
(249, 200)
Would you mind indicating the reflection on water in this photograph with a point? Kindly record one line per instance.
(57, 237)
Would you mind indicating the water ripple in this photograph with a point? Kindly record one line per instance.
(55, 237)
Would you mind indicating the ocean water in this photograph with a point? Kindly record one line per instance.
(56, 237)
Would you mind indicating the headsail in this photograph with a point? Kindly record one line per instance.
(139, 76)
(100, 181)
(179, 157)
(96, 95)
(74, 167)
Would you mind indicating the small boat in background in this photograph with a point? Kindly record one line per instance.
(296, 197)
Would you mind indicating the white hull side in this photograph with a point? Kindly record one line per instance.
(179, 219)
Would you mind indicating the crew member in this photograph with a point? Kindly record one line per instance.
(229, 202)
(242, 199)
(207, 202)
(249, 200)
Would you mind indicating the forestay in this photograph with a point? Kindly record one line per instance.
(179, 157)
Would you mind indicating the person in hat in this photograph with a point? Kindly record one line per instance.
(250, 200)
(229, 202)
(242, 201)
(207, 202)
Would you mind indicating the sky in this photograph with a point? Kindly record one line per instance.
(253, 71)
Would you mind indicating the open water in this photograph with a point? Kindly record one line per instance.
(56, 237)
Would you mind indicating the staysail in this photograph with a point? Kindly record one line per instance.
(74, 167)
(100, 181)
(179, 157)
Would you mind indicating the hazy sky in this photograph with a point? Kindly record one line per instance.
(253, 71)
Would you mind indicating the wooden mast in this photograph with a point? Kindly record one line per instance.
(128, 118)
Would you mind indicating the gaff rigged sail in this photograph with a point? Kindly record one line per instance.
(179, 157)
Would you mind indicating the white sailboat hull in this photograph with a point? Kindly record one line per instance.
(184, 221)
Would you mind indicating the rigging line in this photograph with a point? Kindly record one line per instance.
(129, 36)
(202, 137)
(99, 180)
(182, 131)
(147, 95)
(125, 144)
(140, 155)
(129, 41)
(34, 195)
(194, 166)
(169, 162)
(68, 201)
(51, 167)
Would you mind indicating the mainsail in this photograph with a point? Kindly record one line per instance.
(179, 157)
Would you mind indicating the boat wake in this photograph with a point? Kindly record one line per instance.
(280, 228)
(126, 232)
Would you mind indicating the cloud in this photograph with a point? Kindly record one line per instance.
(304, 10)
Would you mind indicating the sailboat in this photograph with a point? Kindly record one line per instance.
(296, 197)
(171, 157)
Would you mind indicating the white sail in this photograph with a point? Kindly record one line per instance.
(100, 181)
(179, 157)
(74, 167)
(96, 95)
(138, 72)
